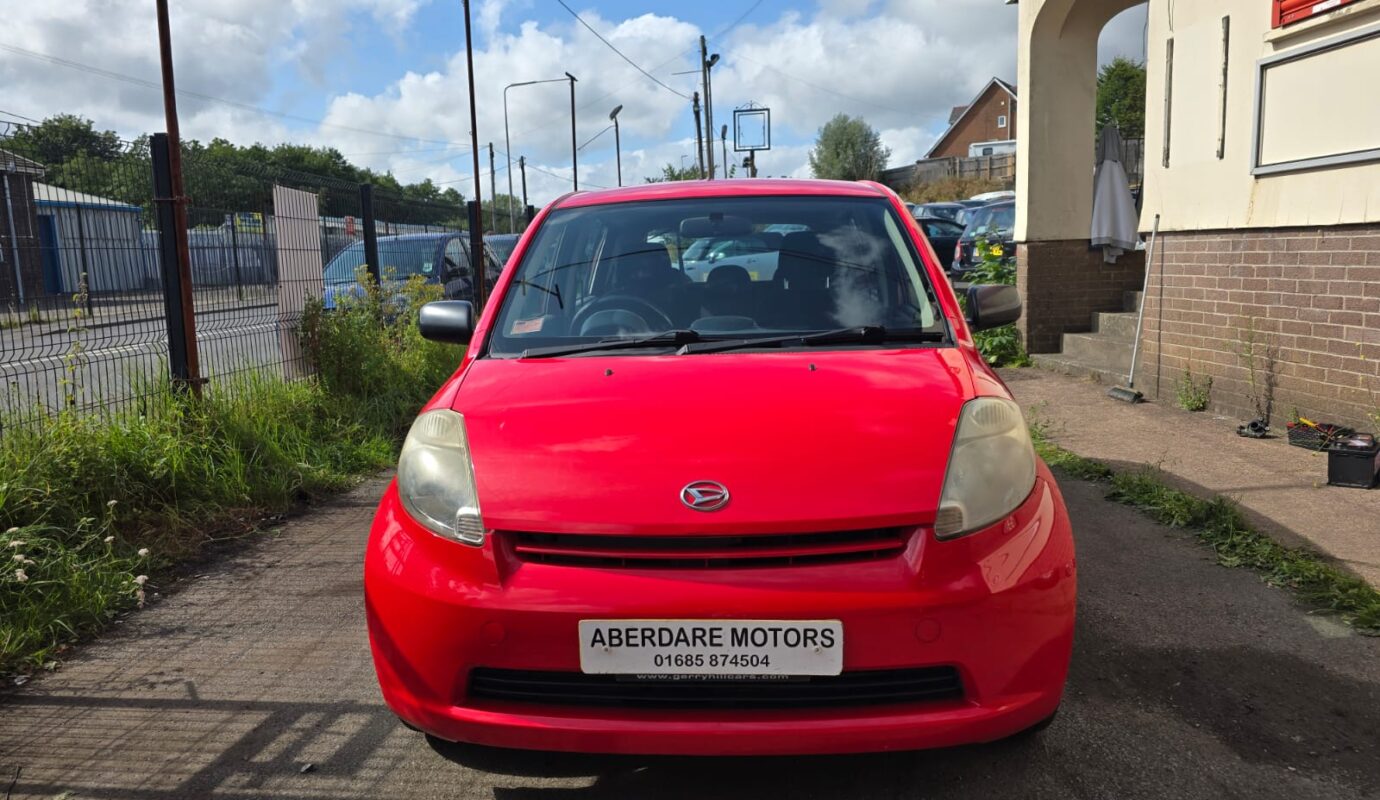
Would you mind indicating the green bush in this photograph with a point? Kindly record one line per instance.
(1194, 391)
(91, 502)
(1001, 347)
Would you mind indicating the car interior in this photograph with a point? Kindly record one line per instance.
(622, 271)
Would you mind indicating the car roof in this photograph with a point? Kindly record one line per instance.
(742, 187)
(411, 237)
(944, 204)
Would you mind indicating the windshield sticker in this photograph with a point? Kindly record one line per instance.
(427, 267)
(525, 326)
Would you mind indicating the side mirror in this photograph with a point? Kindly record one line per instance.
(990, 306)
(449, 321)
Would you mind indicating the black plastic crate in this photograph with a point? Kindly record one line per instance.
(1354, 467)
(1316, 437)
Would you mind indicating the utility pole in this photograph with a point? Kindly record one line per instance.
(574, 151)
(522, 167)
(723, 137)
(179, 202)
(699, 139)
(493, 192)
(707, 63)
(476, 231)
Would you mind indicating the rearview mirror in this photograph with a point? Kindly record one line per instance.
(715, 226)
(990, 306)
(450, 321)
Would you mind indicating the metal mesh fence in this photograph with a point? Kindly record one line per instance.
(83, 302)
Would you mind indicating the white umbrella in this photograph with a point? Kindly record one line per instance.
(1115, 223)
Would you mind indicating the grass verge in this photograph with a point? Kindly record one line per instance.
(97, 508)
(1219, 524)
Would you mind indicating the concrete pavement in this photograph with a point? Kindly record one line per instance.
(1282, 490)
(1189, 681)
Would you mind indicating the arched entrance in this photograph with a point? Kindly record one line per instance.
(1062, 282)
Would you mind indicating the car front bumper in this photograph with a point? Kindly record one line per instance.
(997, 605)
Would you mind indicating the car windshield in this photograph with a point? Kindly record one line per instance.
(940, 227)
(950, 213)
(399, 257)
(502, 246)
(991, 221)
(610, 272)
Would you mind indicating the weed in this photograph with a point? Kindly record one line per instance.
(95, 502)
(1001, 347)
(1194, 391)
(1219, 524)
(1260, 355)
(952, 189)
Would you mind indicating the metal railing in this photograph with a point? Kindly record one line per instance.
(85, 305)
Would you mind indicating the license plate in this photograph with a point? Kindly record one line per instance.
(711, 647)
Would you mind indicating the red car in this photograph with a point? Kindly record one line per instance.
(755, 514)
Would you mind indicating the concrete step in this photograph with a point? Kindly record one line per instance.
(1098, 352)
(1130, 301)
(1056, 362)
(1121, 327)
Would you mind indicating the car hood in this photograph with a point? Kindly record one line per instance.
(803, 441)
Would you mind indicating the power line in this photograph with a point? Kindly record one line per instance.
(592, 138)
(693, 50)
(634, 64)
(119, 76)
(816, 86)
(20, 116)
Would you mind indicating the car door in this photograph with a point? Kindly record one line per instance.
(456, 276)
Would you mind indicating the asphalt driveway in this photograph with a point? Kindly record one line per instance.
(254, 680)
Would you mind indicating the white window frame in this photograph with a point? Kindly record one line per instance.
(1257, 127)
(1001, 120)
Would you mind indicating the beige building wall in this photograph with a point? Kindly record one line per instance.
(1319, 105)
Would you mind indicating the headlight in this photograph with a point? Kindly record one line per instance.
(991, 469)
(436, 478)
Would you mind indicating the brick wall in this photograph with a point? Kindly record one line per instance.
(1310, 294)
(1064, 283)
(979, 124)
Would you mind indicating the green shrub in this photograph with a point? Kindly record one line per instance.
(95, 501)
(1194, 391)
(1001, 347)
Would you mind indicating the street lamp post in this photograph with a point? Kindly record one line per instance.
(574, 150)
(617, 143)
(723, 137)
(508, 144)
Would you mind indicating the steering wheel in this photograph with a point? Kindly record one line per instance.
(637, 313)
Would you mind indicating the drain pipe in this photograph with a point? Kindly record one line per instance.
(14, 240)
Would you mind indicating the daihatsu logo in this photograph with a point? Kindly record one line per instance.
(704, 495)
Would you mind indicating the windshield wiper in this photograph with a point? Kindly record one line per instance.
(866, 334)
(672, 338)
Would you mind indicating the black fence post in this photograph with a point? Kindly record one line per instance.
(235, 256)
(168, 261)
(371, 235)
(85, 281)
(477, 261)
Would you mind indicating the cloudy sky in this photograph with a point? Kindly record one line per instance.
(384, 81)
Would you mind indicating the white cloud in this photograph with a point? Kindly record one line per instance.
(899, 64)
(225, 48)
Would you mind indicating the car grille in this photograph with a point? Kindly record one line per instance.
(706, 552)
(872, 687)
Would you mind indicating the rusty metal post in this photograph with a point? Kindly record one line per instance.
(178, 200)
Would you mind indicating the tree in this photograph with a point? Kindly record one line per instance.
(848, 149)
(58, 139)
(1121, 97)
(671, 172)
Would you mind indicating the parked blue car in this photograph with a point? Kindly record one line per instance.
(440, 258)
